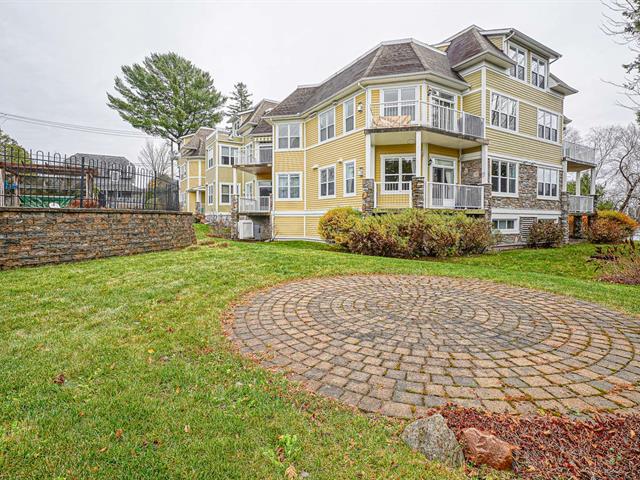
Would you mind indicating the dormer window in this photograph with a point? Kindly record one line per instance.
(234, 128)
(538, 72)
(519, 56)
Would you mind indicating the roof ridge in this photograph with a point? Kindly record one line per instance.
(419, 55)
(373, 60)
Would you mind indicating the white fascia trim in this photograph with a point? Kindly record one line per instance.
(502, 212)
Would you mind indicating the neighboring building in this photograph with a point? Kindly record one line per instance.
(216, 164)
(116, 180)
(474, 123)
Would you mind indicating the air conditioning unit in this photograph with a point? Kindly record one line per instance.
(245, 229)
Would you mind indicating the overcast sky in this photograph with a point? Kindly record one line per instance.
(58, 59)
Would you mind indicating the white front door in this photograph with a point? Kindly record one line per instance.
(443, 181)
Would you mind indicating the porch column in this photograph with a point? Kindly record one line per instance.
(564, 176)
(578, 182)
(564, 204)
(485, 164)
(368, 195)
(592, 187)
(418, 153)
(417, 192)
(369, 165)
(235, 216)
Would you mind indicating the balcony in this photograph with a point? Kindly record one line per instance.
(580, 204)
(255, 158)
(441, 125)
(259, 205)
(455, 197)
(579, 154)
(397, 195)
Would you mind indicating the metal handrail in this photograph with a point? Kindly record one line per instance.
(578, 152)
(581, 204)
(254, 204)
(454, 196)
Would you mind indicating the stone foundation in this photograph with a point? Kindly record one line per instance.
(38, 236)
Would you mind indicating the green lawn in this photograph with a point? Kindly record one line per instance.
(154, 391)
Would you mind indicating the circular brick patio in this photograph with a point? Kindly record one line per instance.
(400, 344)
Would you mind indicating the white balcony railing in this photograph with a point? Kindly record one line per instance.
(580, 204)
(447, 195)
(579, 153)
(262, 154)
(254, 205)
(424, 114)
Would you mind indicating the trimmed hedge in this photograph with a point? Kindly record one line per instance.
(545, 234)
(412, 233)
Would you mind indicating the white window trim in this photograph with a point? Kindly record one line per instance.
(334, 125)
(507, 194)
(335, 181)
(382, 181)
(546, 73)
(498, 127)
(516, 225)
(277, 142)
(548, 197)
(344, 116)
(526, 60)
(398, 87)
(252, 189)
(220, 164)
(543, 110)
(231, 192)
(211, 193)
(210, 158)
(277, 189)
(344, 179)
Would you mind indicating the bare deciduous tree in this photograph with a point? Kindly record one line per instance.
(156, 158)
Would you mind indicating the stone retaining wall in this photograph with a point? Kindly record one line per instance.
(36, 236)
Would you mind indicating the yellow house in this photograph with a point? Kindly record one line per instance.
(191, 171)
(472, 123)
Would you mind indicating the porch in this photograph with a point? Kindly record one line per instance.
(432, 195)
(260, 205)
(255, 158)
(580, 159)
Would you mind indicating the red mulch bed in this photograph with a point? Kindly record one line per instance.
(554, 447)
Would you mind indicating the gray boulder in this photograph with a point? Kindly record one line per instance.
(434, 440)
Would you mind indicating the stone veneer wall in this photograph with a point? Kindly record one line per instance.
(36, 236)
(527, 192)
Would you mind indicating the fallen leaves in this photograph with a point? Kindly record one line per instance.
(119, 433)
(59, 379)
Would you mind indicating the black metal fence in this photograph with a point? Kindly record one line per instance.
(36, 179)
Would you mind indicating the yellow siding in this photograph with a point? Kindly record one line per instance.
(473, 103)
(528, 119)
(312, 227)
(361, 117)
(288, 226)
(390, 200)
(225, 174)
(517, 146)
(350, 147)
(339, 119)
(311, 131)
(474, 80)
(288, 162)
(497, 41)
(522, 91)
(444, 151)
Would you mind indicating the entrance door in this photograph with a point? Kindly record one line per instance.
(443, 180)
(264, 194)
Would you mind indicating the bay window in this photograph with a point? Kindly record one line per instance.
(548, 182)
(504, 112)
(399, 102)
(504, 177)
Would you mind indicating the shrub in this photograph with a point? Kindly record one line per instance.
(545, 234)
(419, 233)
(335, 225)
(606, 230)
(628, 224)
(622, 263)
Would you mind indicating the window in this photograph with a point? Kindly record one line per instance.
(350, 178)
(538, 72)
(288, 186)
(349, 112)
(210, 157)
(503, 177)
(399, 102)
(327, 124)
(519, 56)
(210, 194)
(248, 189)
(288, 136)
(547, 126)
(183, 171)
(327, 177)
(398, 172)
(505, 225)
(504, 111)
(226, 190)
(228, 155)
(547, 182)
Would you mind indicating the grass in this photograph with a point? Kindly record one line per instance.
(153, 390)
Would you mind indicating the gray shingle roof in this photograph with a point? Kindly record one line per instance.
(258, 111)
(471, 43)
(402, 57)
(195, 146)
